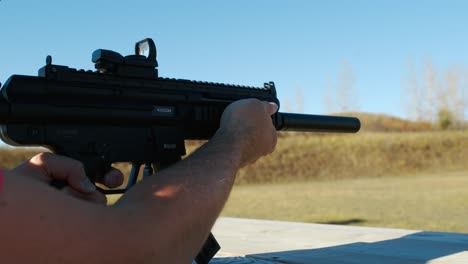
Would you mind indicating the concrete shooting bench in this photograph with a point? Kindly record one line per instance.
(267, 242)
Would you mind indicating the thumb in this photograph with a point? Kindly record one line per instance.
(271, 108)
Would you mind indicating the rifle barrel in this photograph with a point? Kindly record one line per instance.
(317, 123)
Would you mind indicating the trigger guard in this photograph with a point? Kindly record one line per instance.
(111, 191)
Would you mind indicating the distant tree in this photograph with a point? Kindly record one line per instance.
(445, 119)
(441, 100)
(298, 102)
(345, 88)
(342, 97)
(286, 106)
(299, 99)
(328, 97)
(413, 95)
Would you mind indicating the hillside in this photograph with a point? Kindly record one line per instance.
(373, 152)
(386, 123)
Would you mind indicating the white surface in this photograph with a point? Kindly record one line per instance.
(262, 241)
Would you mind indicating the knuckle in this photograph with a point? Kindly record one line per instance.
(77, 165)
(254, 102)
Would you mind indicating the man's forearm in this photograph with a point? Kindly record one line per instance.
(164, 219)
(185, 199)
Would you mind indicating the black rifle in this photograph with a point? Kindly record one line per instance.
(125, 112)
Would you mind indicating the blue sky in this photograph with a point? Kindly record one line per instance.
(293, 43)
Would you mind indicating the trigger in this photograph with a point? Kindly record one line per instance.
(148, 170)
(133, 176)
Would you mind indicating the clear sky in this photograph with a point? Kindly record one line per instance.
(293, 43)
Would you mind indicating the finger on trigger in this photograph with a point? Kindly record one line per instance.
(113, 178)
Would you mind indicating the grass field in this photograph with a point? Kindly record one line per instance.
(396, 173)
(307, 157)
(300, 157)
(431, 202)
(436, 202)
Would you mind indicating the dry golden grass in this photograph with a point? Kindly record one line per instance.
(386, 123)
(340, 179)
(11, 157)
(301, 157)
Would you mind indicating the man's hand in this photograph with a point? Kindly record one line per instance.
(46, 167)
(248, 124)
(172, 213)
